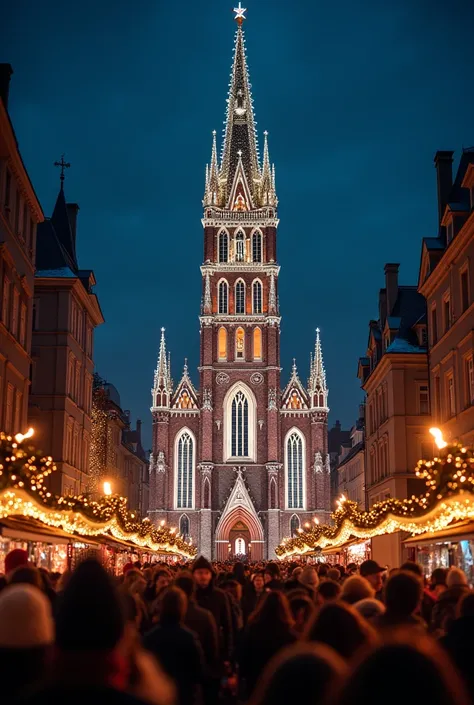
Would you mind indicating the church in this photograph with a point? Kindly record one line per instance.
(240, 463)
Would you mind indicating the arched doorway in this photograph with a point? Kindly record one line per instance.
(239, 539)
(239, 523)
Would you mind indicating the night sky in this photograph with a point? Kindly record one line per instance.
(357, 97)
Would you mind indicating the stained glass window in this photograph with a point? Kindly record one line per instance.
(240, 426)
(185, 472)
(294, 467)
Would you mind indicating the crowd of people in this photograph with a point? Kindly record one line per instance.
(206, 634)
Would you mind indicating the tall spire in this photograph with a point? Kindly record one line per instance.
(162, 385)
(239, 131)
(317, 386)
(212, 176)
(268, 177)
(207, 304)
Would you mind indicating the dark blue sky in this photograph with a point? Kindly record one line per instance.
(357, 97)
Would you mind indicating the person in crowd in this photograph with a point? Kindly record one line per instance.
(293, 582)
(356, 588)
(327, 591)
(403, 593)
(323, 569)
(269, 629)
(302, 610)
(300, 673)
(373, 572)
(27, 575)
(239, 574)
(177, 648)
(458, 640)
(444, 609)
(26, 639)
(253, 594)
(351, 569)
(17, 558)
(234, 591)
(427, 599)
(272, 576)
(201, 622)
(342, 628)
(216, 601)
(370, 608)
(409, 672)
(94, 659)
(309, 579)
(334, 574)
(438, 582)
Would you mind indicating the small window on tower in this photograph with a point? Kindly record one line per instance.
(257, 247)
(240, 343)
(223, 247)
(257, 344)
(222, 344)
(239, 247)
(257, 297)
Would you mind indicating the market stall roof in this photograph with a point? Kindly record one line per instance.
(464, 529)
(29, 529)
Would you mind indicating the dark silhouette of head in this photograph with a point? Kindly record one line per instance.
(341, 627)
(273, 613)
(173, 605)
(299, 673)
(403, 593)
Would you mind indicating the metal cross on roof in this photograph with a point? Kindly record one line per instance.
(63, 165)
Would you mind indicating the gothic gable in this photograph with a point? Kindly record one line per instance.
(294, 397)
(240, 197)
(185, 397)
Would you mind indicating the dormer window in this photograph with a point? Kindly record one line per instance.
(449, 232)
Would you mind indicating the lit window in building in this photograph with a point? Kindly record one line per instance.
(240, 343)
(239, 247)
(240, 426)
(294, 471)
(222, 344)
(257, 344)
(185, 469)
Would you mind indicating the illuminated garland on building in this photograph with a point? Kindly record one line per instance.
(98, 448)
(23, 493)
(449, 497)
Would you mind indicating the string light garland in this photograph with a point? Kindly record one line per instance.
(449, 497)
(23, 492)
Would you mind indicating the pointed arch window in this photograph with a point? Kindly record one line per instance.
(223, 247)
(273, 493)
(184, 527)
(295, 471)
(184, 471)
(257, 344)
(222, 344)
(257, 246)
(240, 344)
(207, 494)
(240, 297)
(257, 296)
(240, 426)
(223, 297)
(294, 525)
(239, 247)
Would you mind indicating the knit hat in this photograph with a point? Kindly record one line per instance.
(202, 563)
(90, 615)
(25, 618)
(16, 558)
(455, 576)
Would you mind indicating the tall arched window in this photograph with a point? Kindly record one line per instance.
(240, 247)
(257, 247)
(240, 344)
(184, 527)
(222, 344)
(295, 471)
(294, 525)
(257, 344)
(223, 297)
(184, 471)
(257, 296)
(240, 297)
(240, 426)
(223, 247)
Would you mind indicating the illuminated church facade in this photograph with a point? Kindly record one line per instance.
(240, 463)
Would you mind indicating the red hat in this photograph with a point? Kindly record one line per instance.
(15, 559)
(127, 567)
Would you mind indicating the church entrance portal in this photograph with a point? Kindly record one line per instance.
(239, 539)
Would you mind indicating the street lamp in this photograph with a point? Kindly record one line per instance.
(107, 489)
(438, 437)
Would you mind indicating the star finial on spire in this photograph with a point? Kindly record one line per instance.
(63, 165)
(239, 153)
(240, 14)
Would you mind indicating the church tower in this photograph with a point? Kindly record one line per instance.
(239, 465)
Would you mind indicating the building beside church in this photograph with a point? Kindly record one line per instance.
(240, 463)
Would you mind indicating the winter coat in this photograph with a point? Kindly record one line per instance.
(180, 655)
(459, 644)
(444, 610)
(203, 624)
(257, 648)
(250, 601)
(215, 600)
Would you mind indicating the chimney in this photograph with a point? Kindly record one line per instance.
(382, 307)
(444, 178)
(391, 285)
(139, 429)
(5, 74)
(72, 211)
